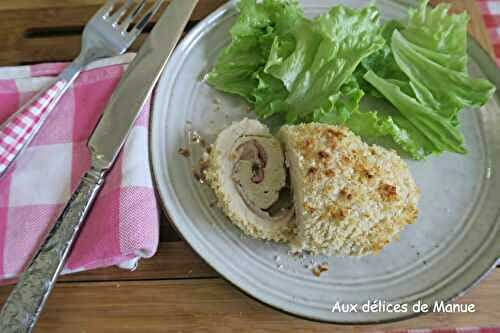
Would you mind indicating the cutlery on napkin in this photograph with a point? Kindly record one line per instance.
(123, 226)
(24, 305)
(108, 33)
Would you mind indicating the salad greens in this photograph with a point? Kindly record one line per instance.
(292, 69)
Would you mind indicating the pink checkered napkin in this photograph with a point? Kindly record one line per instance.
(450, 330)
(19, 128)
(490, 9)
(123, 224)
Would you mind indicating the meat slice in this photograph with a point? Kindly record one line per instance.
(247, 172)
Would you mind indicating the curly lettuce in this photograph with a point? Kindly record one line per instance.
(292, 69)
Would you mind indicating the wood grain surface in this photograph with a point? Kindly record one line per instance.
(176, 291)
(213, 305)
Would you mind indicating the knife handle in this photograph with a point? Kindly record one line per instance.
(22, 308)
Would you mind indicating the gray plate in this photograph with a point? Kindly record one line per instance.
(452, 245)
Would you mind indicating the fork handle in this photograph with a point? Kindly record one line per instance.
(22, 308)
(21, 127)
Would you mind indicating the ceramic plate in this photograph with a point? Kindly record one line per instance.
(452, 245)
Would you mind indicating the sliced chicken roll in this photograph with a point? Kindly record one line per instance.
(248, 175)
(350, 198)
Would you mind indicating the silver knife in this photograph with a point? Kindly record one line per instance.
(24, 305)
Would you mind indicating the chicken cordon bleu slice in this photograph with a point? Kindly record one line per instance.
(248, 175)
(350, 198)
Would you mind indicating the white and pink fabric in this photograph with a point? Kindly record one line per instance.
(123, 225)
(490, 9)
(20, 127)
(449, 330)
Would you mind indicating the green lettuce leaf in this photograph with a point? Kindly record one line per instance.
(293, 69)
(439, 36)
(252, 37)
(431, 42)
(368, 124)
(382, 62)
(423, 67)
(373, 124)
(437, 129)
(327, 52)
(236, 67)
(445, 90)
(269, 95)
(344, 103)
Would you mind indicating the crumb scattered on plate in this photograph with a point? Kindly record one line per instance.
(184, 152)
(319, 269)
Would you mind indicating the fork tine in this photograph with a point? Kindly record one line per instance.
(120, 12)
(145, 19)
(133, 14)
(106, 8)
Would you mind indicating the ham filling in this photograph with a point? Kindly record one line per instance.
(261, 180)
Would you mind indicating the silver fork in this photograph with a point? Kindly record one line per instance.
(105, 35)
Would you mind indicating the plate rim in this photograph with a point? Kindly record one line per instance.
(493, 74)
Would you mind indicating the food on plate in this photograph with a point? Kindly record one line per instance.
(319, 269)
(307, 79)
(350, 198)
(247, 173)
(294, 70)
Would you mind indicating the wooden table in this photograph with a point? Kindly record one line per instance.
(176, 291)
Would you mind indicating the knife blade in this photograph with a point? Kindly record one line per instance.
(24, 305)
(137, 83)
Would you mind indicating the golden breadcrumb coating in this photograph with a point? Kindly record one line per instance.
(350, 198)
